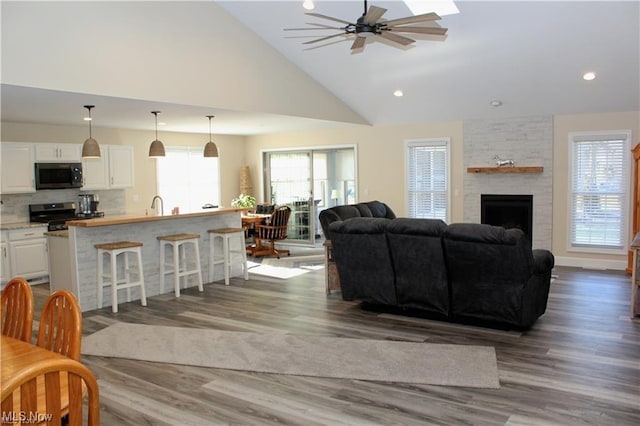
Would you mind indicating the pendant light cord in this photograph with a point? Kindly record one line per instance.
(155, 113)
(90, 119)
(210, 117)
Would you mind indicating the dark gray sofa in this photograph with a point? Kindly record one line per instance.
(462, 272)
(368, 209)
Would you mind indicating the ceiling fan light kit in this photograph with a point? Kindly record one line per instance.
(371, 26)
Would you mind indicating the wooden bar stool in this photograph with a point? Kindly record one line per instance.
(178, 263)
(228, 253)
(116, 250)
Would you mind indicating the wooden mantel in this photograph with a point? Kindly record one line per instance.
(506, 169)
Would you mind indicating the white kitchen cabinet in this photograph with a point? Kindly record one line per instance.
(18, 175)
(28, 254)
(51, 152)
(114, 169)
(95, 171)
(5, 266)
(60, 276)
(121, 166)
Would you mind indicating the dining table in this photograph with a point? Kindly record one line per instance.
(249, 222)
(18, 355)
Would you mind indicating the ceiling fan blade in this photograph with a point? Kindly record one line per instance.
(323, 38)
(405, 41)
(317, 15)
(413, 19)
(420, 30)
(313, 28)
(358, 43)
(373, 15)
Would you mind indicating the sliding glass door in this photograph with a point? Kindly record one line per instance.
(289, 181)
(309, 181)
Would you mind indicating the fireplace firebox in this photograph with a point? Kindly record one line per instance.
(508, 211)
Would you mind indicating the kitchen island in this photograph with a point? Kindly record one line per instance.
(84, 234)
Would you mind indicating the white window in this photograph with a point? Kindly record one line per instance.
(427, 165)
(599, 174)
(187, 180)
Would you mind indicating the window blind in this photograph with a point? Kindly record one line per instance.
(428, 179)
(599, 178)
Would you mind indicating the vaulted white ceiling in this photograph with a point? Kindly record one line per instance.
(233, 59)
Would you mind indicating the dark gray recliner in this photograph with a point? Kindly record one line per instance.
(495, 275)
(365, 267)
(418, 261)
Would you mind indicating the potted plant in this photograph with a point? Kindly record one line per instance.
(244, 201)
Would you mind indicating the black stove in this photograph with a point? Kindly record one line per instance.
(56, 215)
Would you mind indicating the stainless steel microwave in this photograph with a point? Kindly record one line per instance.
(58, 175)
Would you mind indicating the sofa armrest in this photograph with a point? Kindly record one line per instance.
(543, 261)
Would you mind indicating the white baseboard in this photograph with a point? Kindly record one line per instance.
(589, 263)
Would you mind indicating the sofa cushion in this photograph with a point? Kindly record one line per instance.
(418, 261)
(363, 259)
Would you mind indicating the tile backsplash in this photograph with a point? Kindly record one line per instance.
(15, 207)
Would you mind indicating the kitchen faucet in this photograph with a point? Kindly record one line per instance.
(153, 204)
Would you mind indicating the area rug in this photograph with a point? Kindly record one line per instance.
(317, 356)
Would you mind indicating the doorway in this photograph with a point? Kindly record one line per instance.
(309, 181)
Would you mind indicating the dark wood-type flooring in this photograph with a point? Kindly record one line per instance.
(579, 364)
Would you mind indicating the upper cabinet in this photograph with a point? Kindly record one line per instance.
(51, 152)
(114, 169)
(17, 168)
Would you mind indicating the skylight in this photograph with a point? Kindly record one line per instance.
(441, 7)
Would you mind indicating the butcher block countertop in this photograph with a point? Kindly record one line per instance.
(125, 220)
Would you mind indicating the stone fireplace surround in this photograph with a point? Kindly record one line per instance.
(529, 142)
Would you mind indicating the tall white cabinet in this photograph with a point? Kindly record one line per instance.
(17, 168)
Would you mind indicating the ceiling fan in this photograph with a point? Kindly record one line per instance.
(370, 24)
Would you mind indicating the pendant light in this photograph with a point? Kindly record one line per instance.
(210, 149)
(90, 147)
(157, 148)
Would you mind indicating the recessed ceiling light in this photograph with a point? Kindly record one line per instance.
(87, 119)
(589, 76)
(495, 103)
(398, 93)
(308, 5)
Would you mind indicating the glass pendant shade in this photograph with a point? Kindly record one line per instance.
(157, 148)
(210, 149)
(90, 147)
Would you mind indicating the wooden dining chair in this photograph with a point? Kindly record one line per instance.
(53, 373)
(60, 328)
(17, 309)
(274, 229)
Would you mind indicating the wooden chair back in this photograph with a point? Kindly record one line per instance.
(17, 309)
(60, 327)
(275, 228)
(29, 382)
